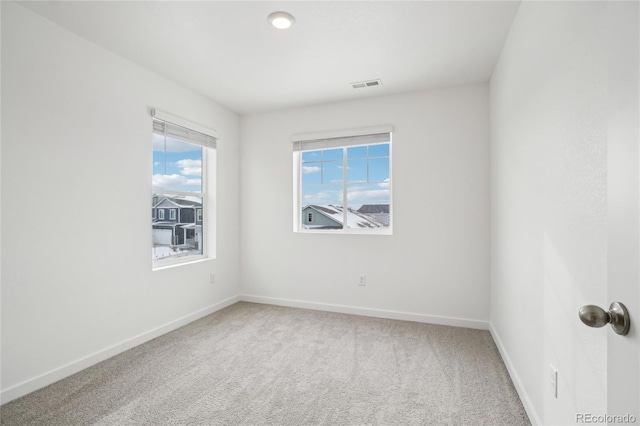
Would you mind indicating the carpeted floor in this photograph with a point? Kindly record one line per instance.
(252, 364)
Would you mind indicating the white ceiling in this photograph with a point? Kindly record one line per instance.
(227, 51)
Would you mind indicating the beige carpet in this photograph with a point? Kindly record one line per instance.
(252, 364)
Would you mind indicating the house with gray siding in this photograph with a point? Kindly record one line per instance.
(379, 212)
(332, 217)
(177, 221)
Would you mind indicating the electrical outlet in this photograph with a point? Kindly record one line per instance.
(212, 278)
(363, 280)
(553, 380)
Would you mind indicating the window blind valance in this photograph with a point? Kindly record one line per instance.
(171, 126)
(338, 142)
(170, 130)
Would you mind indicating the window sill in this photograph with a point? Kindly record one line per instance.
(387, 232)
(173, 263)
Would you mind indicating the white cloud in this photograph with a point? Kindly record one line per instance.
(356, 195)
(174, 181)
(384, 184)
(370, 196)
(190, 167)
(323, 198)
(310, 169)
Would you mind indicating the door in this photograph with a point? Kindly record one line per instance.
(623, 177)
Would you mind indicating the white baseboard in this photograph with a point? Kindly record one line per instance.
(67, 370)
(515, 378)
(376, 313)
(71, 368)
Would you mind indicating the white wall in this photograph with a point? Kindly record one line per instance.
(0, 198)
(435, 266)
(77, 284)
(549, 197)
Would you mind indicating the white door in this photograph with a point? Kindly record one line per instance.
(623, 183)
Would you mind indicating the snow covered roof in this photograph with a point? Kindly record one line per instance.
(354, 218)
(374, 208)
(165, 201)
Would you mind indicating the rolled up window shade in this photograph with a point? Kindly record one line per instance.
(170, 130)
(311, 145)
(327, 143)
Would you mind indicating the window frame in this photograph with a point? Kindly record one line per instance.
(207, 193)
(297, 179)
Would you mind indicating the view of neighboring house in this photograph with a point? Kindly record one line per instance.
(331, 217)
(379, 212)
(177, 223)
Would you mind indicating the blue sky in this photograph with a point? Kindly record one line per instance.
(367, 176)
(179, 167)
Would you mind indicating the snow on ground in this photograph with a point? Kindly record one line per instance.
(160, 252)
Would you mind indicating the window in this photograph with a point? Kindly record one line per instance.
(183, 153)
(343, 183)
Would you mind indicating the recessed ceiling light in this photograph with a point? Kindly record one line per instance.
(281, 20)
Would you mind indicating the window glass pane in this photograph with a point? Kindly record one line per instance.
(323, 202)
(357, 170)
(357, 152)
(177, 165)
(332, 154)
(381, 150)
(369, 203)
(378, 169)
(332, 172)
(180, 232)
(311, 156)
(311, 173)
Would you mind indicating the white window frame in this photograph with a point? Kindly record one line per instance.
(208, 192)
(297, 179)
(161, 214)
(172, 214)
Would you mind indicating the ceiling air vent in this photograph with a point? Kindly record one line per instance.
(368, 83)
